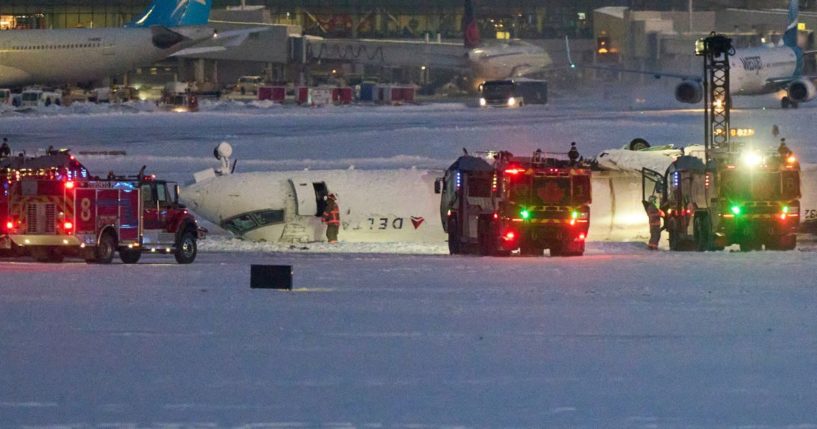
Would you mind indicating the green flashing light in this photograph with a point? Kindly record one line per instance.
(736, 210)
(574, 215)
(525, 214)
(786, 209)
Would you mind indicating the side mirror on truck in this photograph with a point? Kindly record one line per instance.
(438, 185)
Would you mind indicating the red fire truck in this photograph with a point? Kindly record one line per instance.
(54, 165)
(502, 203)
(93, 219)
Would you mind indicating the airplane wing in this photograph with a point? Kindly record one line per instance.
(198, 51)
(658, 74)
(233, 38)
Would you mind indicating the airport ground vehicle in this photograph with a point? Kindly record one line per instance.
(736, 194)
(40, 98)
(249, 84)
(513, 92)
(178, 97)
(60, 215)
(502, 203)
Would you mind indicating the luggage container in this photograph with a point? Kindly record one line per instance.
(276, 94)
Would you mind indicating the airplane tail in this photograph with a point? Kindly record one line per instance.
(790, 36)
(174, 13)
(469, 26)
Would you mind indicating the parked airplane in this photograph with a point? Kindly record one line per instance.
(501, 60)
(754, 71)
(376, 206)
(483, 61)
(84, 55)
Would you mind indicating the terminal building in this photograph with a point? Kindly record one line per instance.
(632, 33)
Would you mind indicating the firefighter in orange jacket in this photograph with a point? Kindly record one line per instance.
(655, 214)
(331, 217)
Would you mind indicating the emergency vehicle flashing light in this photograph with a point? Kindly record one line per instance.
(68, 226)
(736, 210)
(514, 171)
(510, 235)
(791, 159)
(69, 185)
(9, 225)
(525, 214)
(752, 159)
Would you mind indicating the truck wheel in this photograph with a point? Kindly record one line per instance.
(453, 237)
(702, 228)
(186, 249)
(785, 102)
(130, 256)
(103, 253)
(786, 242)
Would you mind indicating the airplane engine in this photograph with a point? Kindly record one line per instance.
(802, 90)
(690, 92)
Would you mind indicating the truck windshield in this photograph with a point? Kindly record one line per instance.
(30, 96)
(760, 185)
(552, 191)
(497, 89)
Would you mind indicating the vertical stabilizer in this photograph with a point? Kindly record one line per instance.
(174, 13)
(469, 26)
(790, 36)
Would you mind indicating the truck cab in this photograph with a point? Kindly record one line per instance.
(167, 225)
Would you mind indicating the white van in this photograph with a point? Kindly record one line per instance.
(40, 98)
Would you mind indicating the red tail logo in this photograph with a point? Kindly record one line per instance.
(417, 221)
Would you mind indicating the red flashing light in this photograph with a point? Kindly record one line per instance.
(496, 216)
(72, 157)
(69, 185)
(9, 225)
(783, 216)
(572, 222)
(582, 236)
(68, 226)
(510, 235)
(514, 171)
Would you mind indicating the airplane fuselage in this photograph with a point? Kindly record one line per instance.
(507, 60)
(80, 55)
(752, 70)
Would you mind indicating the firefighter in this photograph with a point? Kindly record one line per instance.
(331, 217)
(655, 214)
(573, 153)
(784, 150)
(5, 149)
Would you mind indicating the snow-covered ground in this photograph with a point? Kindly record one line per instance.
(403, 335)
(619, 338)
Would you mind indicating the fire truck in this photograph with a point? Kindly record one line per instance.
(736, 194)
(92, 218)
(501, 203)
(54, 165)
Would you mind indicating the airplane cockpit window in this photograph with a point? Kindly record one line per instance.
(247, 222)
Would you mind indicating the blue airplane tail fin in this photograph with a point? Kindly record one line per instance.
(174, 13)
(790, 36)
